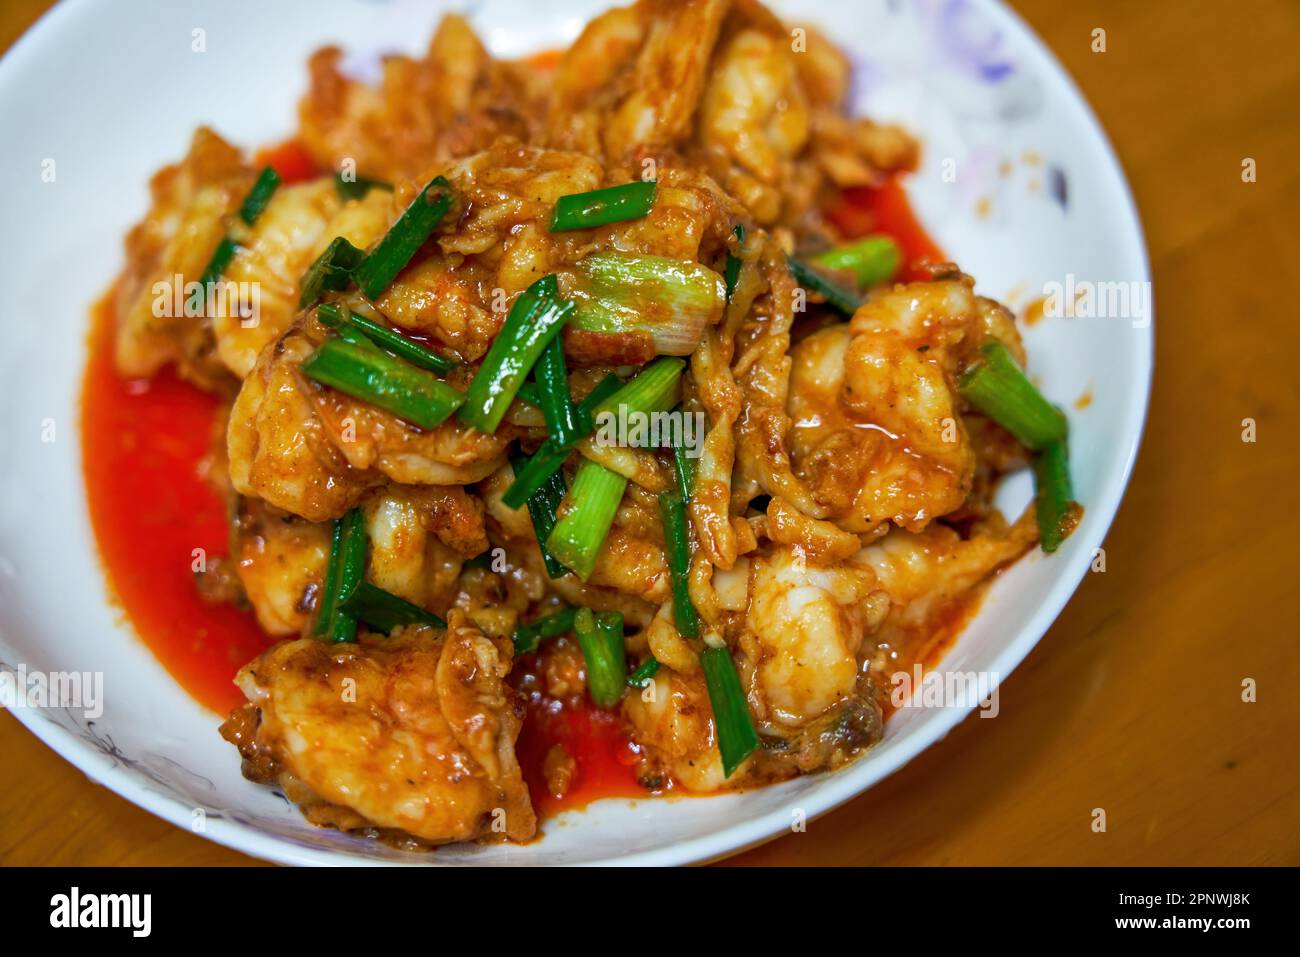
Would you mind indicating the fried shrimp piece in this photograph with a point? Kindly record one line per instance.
(499, 247)
(754, 112)
(278, 447)
(877, 435)
(281, 563)
(413, 733)
(943, 319)
(762, 370)
(176, 238)
(671, 69)
(314, 451)
(419, 535)
(586, 80)
(370, 438)
(805, 627)
(924, 572)
(296, 226)
(673, 722)
(822, 542)
(453, 102)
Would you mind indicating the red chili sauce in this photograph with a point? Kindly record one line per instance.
(143, 448)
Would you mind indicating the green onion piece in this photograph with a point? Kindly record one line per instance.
(732, 273)
(578, 534)
(670, 300)
(534, 320)
(337, 316)
(653, 390)
(347, 566)
(332, 270)
(563, 422)
(600, 207)
(529, 635)
(542, 506)
(482, 560)
(996, 385)
(872, 260)
(408, 234)
(836, 296)
(737, 738)
(348, 334)
(684, 466)
(384, 611)
(384, 381)
(529, 393)
(221, 257)
(358, 186)
(548, 459)
(1057, 511)
(263, 188)
(641, 677)
(677, 545)
(601, 638)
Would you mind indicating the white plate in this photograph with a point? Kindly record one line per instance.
(111, 91)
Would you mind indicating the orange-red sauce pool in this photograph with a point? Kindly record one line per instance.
(143, 448)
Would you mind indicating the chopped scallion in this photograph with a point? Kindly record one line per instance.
(548, 459)
(836, 296)
(416, 224)
(592, 502)
(542, 506)
(220, 259)
(644, 672)
(347, 566)
(601, 207)
(670, 300)
(384, 611)
(996, 385)
(872, 260)
(332, 270)
(384, 381)
(737, 738)
(358, 186)
(1057, 512)
(263, 189)
(530, 634)
(677, 547)
(601, 637)
(337, 316)
(533, 320)
(562, 417)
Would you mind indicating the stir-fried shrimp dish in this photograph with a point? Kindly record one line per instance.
(605, 399)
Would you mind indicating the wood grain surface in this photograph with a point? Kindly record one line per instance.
(1133, 700)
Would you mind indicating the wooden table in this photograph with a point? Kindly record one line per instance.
(1132, 702)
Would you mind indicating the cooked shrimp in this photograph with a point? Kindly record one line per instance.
(808, 625)
(296, 226)
(177, 238)
(454, 101)
(281, 565)
(877, 434)
(279, 448)
(673, 721)
(414, 733)
(754, 112)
